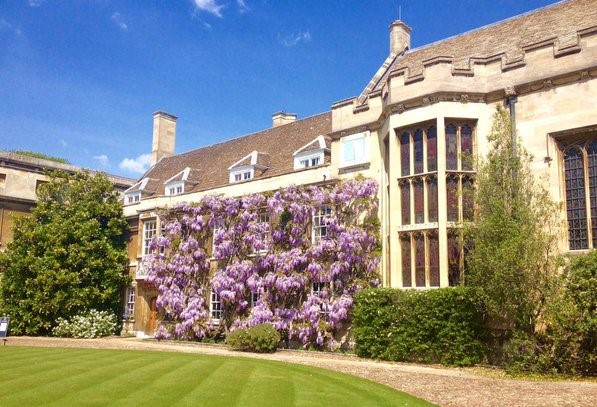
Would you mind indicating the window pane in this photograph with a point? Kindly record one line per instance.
(466, 144)
(467, 199)
(418, 140)
(432, 199)
(453, 260)
(359, 149)
(433, 260)
(419, 204)
(405, 153)
(451, 148)
(575, 199)
(406, 261)
(405, 202)
(592, 171)
(349, 155)
(420, 260)
(432, 149)
(452, 198)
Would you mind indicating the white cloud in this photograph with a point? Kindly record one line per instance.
(103, 160)
(293, 39)
(137, 165)
(119, 21)
(210, 6)
(207, 25)
(242, 6)
(36, 3)
(5, 25)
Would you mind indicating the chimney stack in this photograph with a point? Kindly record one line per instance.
(399, 37)
(164, 136)
(281, 118)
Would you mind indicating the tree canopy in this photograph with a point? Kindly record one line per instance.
(68, 257)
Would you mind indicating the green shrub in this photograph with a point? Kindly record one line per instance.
(261, 338)
(443, 325)
(93, 324)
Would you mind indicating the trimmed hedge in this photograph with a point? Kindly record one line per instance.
(435, 326)
(261, 338)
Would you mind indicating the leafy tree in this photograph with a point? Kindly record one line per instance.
(68, 257)
(512, 258)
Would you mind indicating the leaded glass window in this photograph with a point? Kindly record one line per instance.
(466, 147)
(451, 148)
(405, 153)
(575, 199)
(420, 260)
(432, 199)
(406, 260)
(453, 260)
(592, 174)
(419, 201)
(405, 202)
(432, 149)
(418, 141)
(452, 198)
(433, 260)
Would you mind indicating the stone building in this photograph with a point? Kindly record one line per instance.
(20, 177)
(421, 113)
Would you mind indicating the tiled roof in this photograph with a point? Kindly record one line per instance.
(210, 164)
(509, 37)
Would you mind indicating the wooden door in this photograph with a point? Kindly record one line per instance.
(153, 315)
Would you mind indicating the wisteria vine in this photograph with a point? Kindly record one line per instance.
(259, 254)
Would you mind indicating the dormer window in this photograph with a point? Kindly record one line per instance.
(242, 174)
(311, 154)
(132, 198)
(175, 185)
(248, 167)
(134, 194)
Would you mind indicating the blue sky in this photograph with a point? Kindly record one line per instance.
(81, 79)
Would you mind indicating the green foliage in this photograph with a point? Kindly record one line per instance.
(567, 342)
(68, 257)
(262, 338)
(513, 240)
(42, 156)
(92, 324)
(443, 325)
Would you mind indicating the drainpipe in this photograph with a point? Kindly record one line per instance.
(510, 102)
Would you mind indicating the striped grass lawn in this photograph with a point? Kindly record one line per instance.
(32, 376)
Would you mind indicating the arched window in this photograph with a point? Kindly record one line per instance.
(432, 149)
(466, 147)
(420, 260)
(405, 202)
(418, 140)
(405, 154)
(406, 260)
(433, 260)
(576, 204)
(419, 201)
(451, 148)
(592, 174)
(432, 199)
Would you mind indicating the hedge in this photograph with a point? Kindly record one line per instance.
(435, 326)
(262, 338)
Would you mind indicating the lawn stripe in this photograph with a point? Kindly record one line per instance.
(222, 386)
(268, 385)
(173, 385)
(77, 374)
(108, 387)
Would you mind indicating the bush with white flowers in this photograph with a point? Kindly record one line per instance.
(93, 324)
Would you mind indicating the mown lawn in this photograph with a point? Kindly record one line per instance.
(97, 377)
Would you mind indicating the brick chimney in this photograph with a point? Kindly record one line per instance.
(399, 37)
(164, 136)
(281, 118)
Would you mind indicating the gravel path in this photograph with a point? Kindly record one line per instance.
(444, 386)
